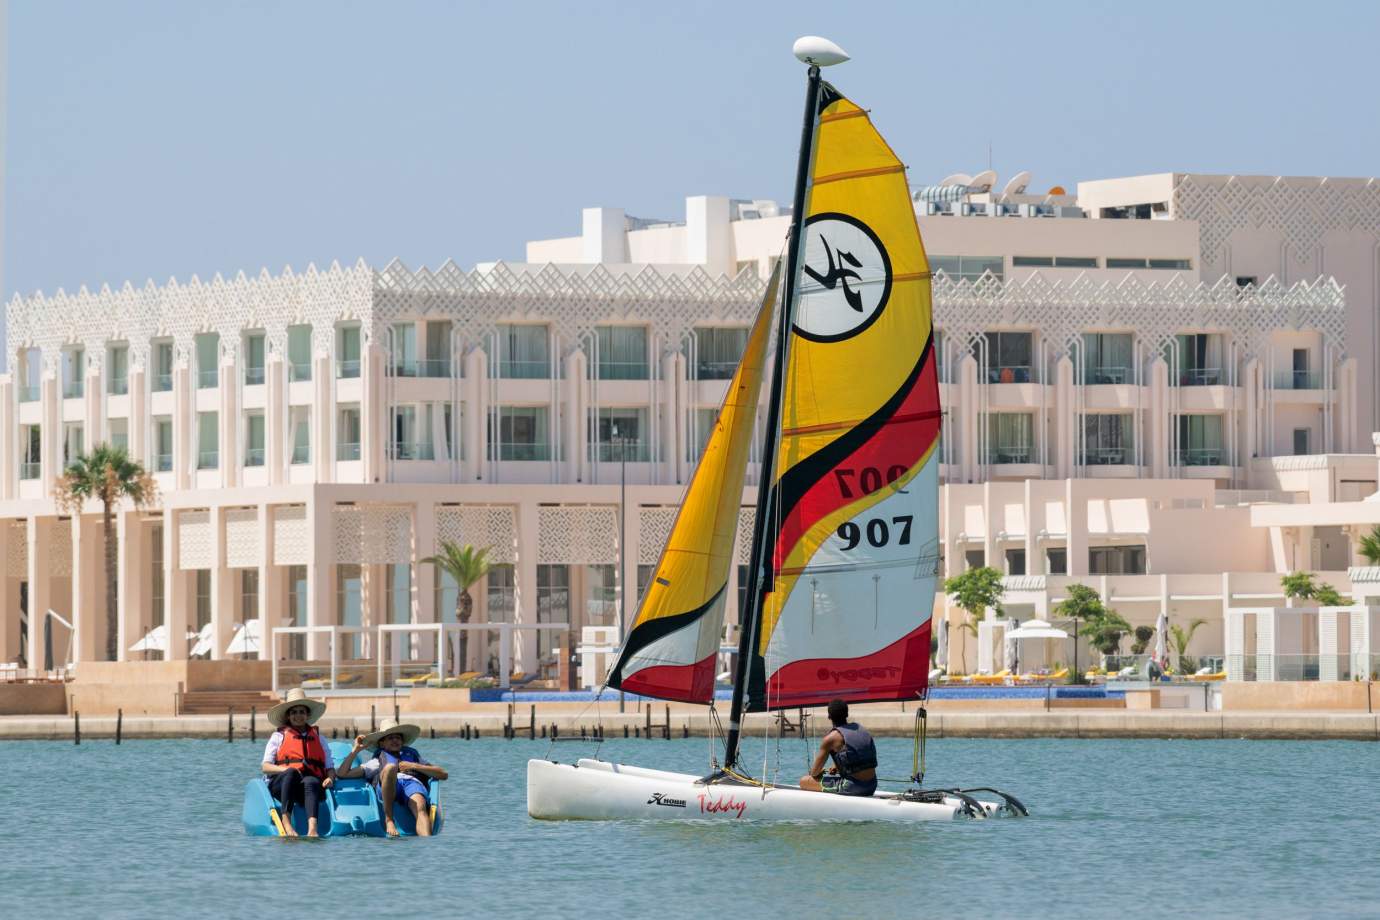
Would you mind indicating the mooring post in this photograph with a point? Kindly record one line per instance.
(685, 730)
(253, 724)
(230, 723)
(649, 719)
(119, 724)
(76, 727)
(555, 732)
(625, 729)
(532, 722)
(433, 731)
(373, 724)
(667, 729)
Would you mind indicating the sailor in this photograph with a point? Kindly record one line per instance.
(297, 763)
(397, 771)
(855, 758)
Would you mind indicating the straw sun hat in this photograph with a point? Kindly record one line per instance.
(296, 697)
(408, 731)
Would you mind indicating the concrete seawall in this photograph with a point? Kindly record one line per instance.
(571, 721)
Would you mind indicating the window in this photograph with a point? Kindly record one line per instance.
(622, 353)
(119, 433)
(31, 447)
(1300, 376)
(203, 598)
(404, 358)
(254, 439)
(207, 360)
(975, 558)
(299, 353)
(1009, 437)
(967, 268)
(1113, 262)
(1200, 441)
(117, 379)
(1056, 561)
(1116, 560)
(157, 616)
(701, 427)
(1015, 562)
(1108, 357)
(448, 427)
(644, 578)
(500, 595)
(437, 362)
(398, 586)
(1108, 439)
(299, 428)
(1055, 261)
(447, 594)
(1301, 441)
(347, 433)
(30, 366)
(162, 367)
(1198, 358)
(718, 351)
(1243, 281)
(601, 595)
(249, 595)
(207, 441)
(72, 433)
(524, 352)
(412, 433)
(618, 435)
(297, 609)
(1009, 357)
(162, 444)
(522, 433)
(349, 603)
(73, 373)
(1032, 261)
(347, 351)
(254, 358)
(1181, 265)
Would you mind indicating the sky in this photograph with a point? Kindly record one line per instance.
(166, 139)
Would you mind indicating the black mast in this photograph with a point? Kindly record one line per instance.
(759, 573)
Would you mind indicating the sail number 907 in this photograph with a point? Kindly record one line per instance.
(868, 479)
(877, 532)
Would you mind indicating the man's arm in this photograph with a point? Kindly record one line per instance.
(827, 745)
(347, 769)
(423, 769)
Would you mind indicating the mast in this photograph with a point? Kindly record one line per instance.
(759, 576)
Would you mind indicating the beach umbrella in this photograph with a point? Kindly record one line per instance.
(1012, 653)
(247, 640)
(941, 655)
(1161, 634)
(155, 640)
(1037, 629)
(203, 641)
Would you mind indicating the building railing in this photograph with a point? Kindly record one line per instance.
(72, 389)
(347, 450)
(162, 383)
(162, 463)
(347, 369)
(1201, 377)
(301, 453)
(119, 386)
(524, 370)
(515, 450)
(715, 370)
(1298, 380)
(1227, 497)
(1010, 453)
(1106, 375)
(433, 367)
(419, 450)
(28, 393)
(1009, 373)
(1203, 456)
(403, 367)
(1108, 456)
(299, 371)
(253, 376)
(207, 378)
(254, 456)
(613, 452)
(623, 370)
(28, 470)
(207, 459)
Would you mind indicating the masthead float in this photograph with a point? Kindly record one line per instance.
(845, 549)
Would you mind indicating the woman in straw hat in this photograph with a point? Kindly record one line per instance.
(297, 763)
(398, 771)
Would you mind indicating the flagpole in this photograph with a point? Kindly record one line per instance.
(759, 572)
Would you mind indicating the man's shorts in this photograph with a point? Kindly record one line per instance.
(842, 785)
(407, 786)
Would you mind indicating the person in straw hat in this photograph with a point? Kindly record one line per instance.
(397, 770)
(297, 763)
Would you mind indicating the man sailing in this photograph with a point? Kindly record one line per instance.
(855, 758)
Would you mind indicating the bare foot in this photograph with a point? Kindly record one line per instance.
(288, 829)
(391, 828)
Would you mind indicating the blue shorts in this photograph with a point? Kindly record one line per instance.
(405, 788)
(841, 785)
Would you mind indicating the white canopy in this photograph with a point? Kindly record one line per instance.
(155, 640)
(1036, 629)
(1161, 637)
(247, 640)
(203, 641)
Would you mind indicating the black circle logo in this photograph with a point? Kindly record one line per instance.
(845, 279)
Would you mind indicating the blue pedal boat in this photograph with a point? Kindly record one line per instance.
(351, 808)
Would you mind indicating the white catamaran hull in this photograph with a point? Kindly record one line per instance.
(594, 790)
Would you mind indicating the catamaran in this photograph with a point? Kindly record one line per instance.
(845, 550)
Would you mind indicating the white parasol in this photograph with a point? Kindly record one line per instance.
(203, 641)
(155, 640)
(1161, 639)
(247, 640)
(941, 655)
(1037, 629)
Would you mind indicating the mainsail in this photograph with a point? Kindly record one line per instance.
(671, 649)
(849, 533)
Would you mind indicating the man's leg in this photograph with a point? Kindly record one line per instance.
(311, 801)
(810, 784)
(388, 787)
(421, 811)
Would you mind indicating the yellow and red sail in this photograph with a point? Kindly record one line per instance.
(673, 642)
(851, 526)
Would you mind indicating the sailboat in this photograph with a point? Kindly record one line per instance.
(845, 542)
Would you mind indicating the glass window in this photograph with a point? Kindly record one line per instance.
(299, 352)
(412, 433)
(347, 433)
(701, 427)
(447, 593)
(1198, 359)
(255, 355)
(967, 268)
(157, 616)
(1075, 262)
(601, 595)
(618, 435)
(437, 349)
(1301, 436)
(254, 439)
(553, 606)
(297, 609)
(1116, 560)
(1125, 263)
(207, 360)
(1015, 562)
(1108, 357)
(72, 438)
(1108, 439)
(31, 445)
(404, 358)
(522, 433)
(299, 422)
(718, 349)
(975, 558)
(622, 353)
(1056, 561)
(398, 586)
(207, 441)
(1172, 264)
(163, 444)
(1009, 438)
(162, 367)
(73, 373)
(349, 605)
(119, 432)
(524, 352)
(117, 380)
(249, 595)
(1200, 441)
(203, 598)
(347, 362)
(1009, 357)
(1032, 261)
(644, 578)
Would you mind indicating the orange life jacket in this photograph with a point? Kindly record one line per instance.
(304, 750)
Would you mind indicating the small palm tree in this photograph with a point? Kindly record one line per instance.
(1299, 586)
(1181, 637)
(108, 475)
(974, 592)
(465, 565)
(1370, 546)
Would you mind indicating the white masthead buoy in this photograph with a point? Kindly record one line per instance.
(811, 49)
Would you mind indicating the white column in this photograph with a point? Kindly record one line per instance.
(88, 589)
(139, 418)
(275, 419)
(174, 589)
(272, 589)
(966, 414)
(228, 425)
(50, 434)
(184, 427)
(1157, 455)
(1076, 522)
(130, 592)
(40, 587)
(323, 418)
(525, 608)
(471, 436)
(575, 430)
(319, 593)
(672, 369)
(225, 611)
(1065, 436)
(373, 416)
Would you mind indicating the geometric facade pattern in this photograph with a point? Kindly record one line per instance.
(655, 527)
(242, 540)
(577, 535)
(492, 526)
(372, 534)
(17, 563)
(60, 549)
(195, 548)
(291, 539)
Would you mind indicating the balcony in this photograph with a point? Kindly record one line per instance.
(1010, 373)
(403, 367)
(347, 450)
(28, 470)
(301, 453)
(162, 463)
(253, 376)
(208, 459)
(299, 371)
(1108, 456)
(254, 456)
(1201, 377)
(1298, 380)
(207, 378)
(73, 389)
(119, 386)
(162, 383)
(622, 370)
(524, 370)
(347, 369)
(1203, 456)
(433, 367)
(1095, 376)
(423, 450)
(715, 370)
(1017, 453)
(28, 393)
(523, 451)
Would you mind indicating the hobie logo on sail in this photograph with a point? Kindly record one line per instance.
(853, 675)
(846, 278)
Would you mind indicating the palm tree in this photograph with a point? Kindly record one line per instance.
(1370, 546)
(974, 592)
(1181, 638)
(465, 565)
(108, 475)
(1298, 586)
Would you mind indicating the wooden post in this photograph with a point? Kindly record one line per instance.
(685, 730)
(555, 730)
(532, 723)
(119, 724)
(76, 727)
(229, 723)
(253, 723)
(625, 730)
(508, 732)
(648, 712)
(373, 722)
(433, 731)
(667, 729)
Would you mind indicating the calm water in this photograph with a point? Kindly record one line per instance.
(1119, 828)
